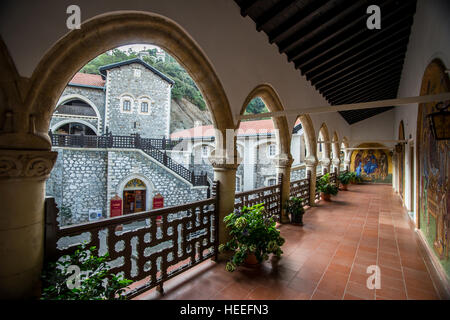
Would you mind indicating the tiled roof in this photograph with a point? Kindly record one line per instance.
(87, 79)
(245, 128)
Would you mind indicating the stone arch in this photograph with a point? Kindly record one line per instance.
(110, 30)
(310, 138)
(335, 146)
(345, 145)
(271, 99)
(326, 147)
(148, 193)
(56, 126)
(78, 97)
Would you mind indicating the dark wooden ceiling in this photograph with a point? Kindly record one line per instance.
(329, 42)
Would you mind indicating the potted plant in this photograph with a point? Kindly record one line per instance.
(253, 237)
(326, 188)
(344, 179)
(294, 206)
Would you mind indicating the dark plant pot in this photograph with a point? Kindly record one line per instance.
(297, 219)
(251, 260)
(325, 196)
(344, 187)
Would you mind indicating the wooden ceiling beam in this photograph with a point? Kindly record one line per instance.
(347, 81)
(338, 14)
(273, 12)
(294, 21)
(358, 50)
(369, 84)
(246, 6)
(392, 21)
(377, 58)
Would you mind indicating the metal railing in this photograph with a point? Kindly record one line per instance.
(167, 242)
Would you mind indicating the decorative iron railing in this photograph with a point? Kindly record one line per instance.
(148, 247)
(150, 146)
(270, 196)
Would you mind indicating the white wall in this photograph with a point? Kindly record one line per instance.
(379, 127)
(242, 57)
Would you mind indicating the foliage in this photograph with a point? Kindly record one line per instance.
(251, 233)
(324, 185)
(96, 282)
(354, 178)
(345, 177)
(66, 215)
(294, 206)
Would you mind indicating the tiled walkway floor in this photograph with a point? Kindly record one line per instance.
(327, 258)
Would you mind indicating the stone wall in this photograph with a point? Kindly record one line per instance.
(298, 174)
(85, 179)
(122, 81)
(78, 181)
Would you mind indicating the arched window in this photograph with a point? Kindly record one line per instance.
(144, 107)
(126, 106)
(75, 128)
(76, 107)
(272, 150)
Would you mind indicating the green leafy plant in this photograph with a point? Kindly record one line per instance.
(294, 206)
(96, 281)
(251, 233)
(324, 185)
(354, 178)
(345, 178)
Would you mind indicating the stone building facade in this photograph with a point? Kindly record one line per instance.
(130, 98)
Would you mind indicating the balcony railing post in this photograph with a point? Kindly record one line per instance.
(283, 164)
(215, 195)
(163, 143)
(51, 229)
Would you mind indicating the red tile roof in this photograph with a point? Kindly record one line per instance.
(87, 79)
(246, 127)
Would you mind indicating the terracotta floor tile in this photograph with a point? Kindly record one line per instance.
(360, 290)
(327, 258)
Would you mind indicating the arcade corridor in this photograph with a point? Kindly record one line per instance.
(327, 258)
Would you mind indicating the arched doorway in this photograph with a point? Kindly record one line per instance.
(433, 169)
(134, 196)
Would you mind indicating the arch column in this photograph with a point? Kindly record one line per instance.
(22, 194)
(347, 164)
(283, 164)
(311, 167)
(336, 165)
(225, 174)
(326, 165)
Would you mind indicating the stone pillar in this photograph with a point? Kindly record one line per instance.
(347, 165)
(326, 164)
(283, 164)
(336, 165)
(225, 174)
(22, 194)
(311, 167)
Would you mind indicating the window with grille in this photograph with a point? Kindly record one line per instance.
(144, 107)
(126, 105)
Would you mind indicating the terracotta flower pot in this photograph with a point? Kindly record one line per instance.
(251, 260)
(344, 187)
(325, 196)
